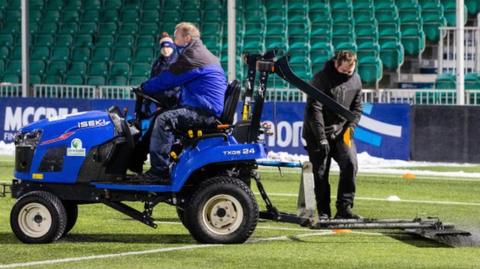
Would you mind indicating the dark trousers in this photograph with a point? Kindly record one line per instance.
(346, 157)
(162, 139)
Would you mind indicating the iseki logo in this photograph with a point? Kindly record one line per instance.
(92, 123)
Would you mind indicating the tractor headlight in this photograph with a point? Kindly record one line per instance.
(28, 139)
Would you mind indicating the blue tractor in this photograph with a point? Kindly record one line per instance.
(93, 157)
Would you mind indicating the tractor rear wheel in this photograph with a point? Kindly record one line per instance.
(38, 217)
(223, 210)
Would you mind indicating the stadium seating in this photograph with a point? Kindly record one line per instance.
(92, 36)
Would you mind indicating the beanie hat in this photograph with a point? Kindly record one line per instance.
(166, 41)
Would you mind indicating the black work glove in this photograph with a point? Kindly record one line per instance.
(324, 146)
(334, 130)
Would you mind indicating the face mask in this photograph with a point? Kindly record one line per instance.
(181, 48)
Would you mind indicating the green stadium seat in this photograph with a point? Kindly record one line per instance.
(128, 28)
(60, 54)
(321, 32)
(16, 53)
(302, 70)
(191, 4)
(298, 42)
(145, 41)
(211, 28)
(47, 28)
(352, 46)
(445, 81)
(432, 21)
(72, 5)
(117, 81)
(298, 16)
(77, 68)
(366, 33)
(37, 67)
(87, 28)
(74, 80)
(98, 69)
(50, 16)
(278, 42)
(101, 54)
(321, 16)
(68, 28)
(298, 5)
(254, 28)
(392, 54)
(11, 78)
(150, 16)
(141, 69)
(6, 40)
(96, 80)
(119, 69)
(53, 79)
(32, 4)
(137, 80)
(40, 53)
(104, 41)
(253, 44)
(149, 29)
(370, 69)
(387, 16)
(63, 40)
(107, 28)
(450, 12)
(212, 16)
(70, 16)
(472, 81)
(91, 16)
(212, 42)
(299, 29)
(54, 5)
(215, 4)
(170, 16)
(131, 5)
(343, 16)
(109, 15)
(315, 5)
(250, 4)
(125, 41)
(473, 6)
(192, 16)
(364, 16)
(413, 38)
(151, 5)
(130, 16)
(44, 40)
(384, 4)
(406, 4)
(92, 4)
(122, 54)
(34, 16)
(81, 54)
(12, 15)
(35, 79)
(257, 15)
(363, 5)
(277, 16)
(112, 4)
(144, 55)
(83, 40)
(57, 68)
(171, 4)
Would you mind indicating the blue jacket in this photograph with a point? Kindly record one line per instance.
(201, 77)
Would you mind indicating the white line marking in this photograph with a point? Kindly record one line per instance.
(104, 256)
(384, 199)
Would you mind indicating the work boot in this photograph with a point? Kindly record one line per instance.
(162, 178)
(345, 212)
(323, 217)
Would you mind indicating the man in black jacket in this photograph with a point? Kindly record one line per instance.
(330, 136)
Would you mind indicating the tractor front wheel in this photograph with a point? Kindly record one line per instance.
(38, 217)
(223, 210)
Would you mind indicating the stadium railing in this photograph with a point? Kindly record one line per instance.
(409, 96)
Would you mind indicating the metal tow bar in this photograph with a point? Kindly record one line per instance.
(4, 189)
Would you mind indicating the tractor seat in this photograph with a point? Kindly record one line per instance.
(225, 122)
